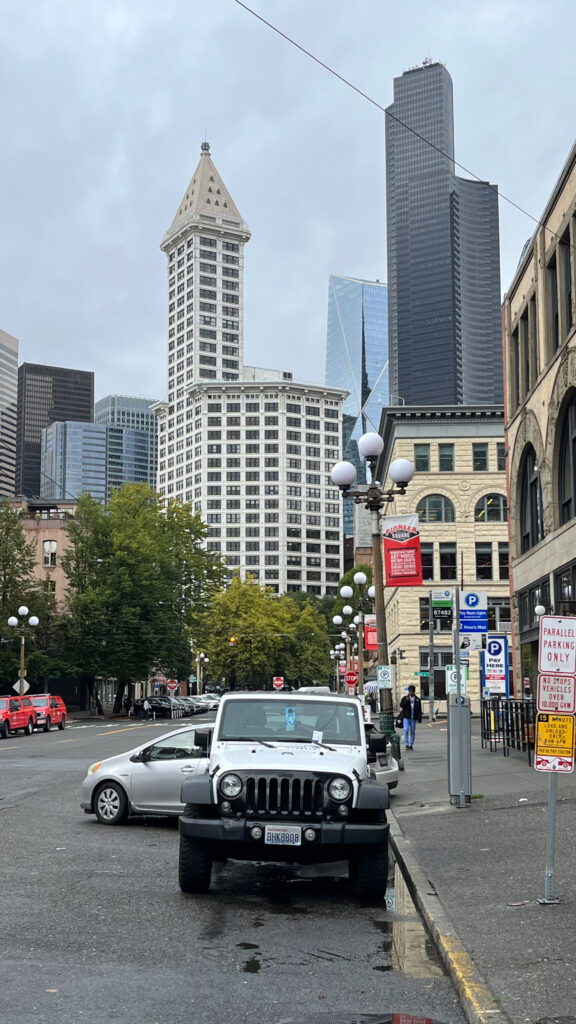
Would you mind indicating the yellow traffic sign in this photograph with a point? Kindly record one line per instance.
(554, 743)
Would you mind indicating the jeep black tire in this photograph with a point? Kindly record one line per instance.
(5, 730)
(369, 873)
(28, 728)
(62, 724)
(48, 724)
(194, 861)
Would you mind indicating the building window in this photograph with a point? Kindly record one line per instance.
(503, 562)
(491, 508)
(422, 458)
(448, 567)
(427, 552)
(446, 458)
(501, 457)
(532, 528)
(435, 508)
(480, 458)
(567, 463)
(49, 548)
(484, 560)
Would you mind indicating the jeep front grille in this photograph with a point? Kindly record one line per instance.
(285, 796)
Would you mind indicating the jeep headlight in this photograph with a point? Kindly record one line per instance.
(230, 785)
(339, 789)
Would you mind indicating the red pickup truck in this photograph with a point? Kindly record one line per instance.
(16, 713)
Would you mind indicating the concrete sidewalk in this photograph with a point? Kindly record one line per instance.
(476, 874)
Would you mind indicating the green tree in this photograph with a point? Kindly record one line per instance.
(17, 587)
(273, 636)
(138, 581)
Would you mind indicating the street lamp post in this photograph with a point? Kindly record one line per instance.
(23, 628)
(374, 497)
(201, 660)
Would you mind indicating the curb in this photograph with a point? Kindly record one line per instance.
(479, 1004)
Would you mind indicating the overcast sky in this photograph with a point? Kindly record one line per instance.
(105, 104)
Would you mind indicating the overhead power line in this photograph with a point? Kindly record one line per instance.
(393, 117)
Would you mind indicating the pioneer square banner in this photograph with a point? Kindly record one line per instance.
(402, 560)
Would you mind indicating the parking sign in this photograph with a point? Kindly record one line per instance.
(495, 665)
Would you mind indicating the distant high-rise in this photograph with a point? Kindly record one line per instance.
(357, 360)
(131, 444)
(46, 394)
(73, 461)
(8, 398)
(445, 332)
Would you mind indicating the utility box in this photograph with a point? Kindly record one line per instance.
(459, 749)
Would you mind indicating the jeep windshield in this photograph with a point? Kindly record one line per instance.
(332, 722)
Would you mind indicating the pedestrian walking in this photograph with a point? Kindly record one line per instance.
(127, 704)
(411, 712)
(146, 708)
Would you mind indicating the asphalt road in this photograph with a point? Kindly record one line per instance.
(95, 928)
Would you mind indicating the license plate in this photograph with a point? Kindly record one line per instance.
(282, 835)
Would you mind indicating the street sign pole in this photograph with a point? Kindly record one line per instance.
(549, 896)
(431, 713)
(459, 732)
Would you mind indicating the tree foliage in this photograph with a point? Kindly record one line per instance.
(273, 637)
(139, 580)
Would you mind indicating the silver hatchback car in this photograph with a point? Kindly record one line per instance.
(146, 779)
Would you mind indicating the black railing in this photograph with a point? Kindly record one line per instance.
(508, 725)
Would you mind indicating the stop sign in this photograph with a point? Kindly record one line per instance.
(278, 682)
(351, 678)
(171, 685)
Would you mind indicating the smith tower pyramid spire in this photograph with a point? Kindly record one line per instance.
(205, 249)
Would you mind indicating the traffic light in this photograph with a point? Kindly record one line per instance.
(232, 640)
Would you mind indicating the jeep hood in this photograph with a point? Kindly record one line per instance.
(287, 757)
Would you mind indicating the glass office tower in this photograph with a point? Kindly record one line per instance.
(357, 360)
(8, 402)
(46, 394)
(443, 255)
(73, 460)
(132, 446)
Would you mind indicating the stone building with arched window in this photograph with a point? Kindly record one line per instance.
(459, 493)
(540, 402)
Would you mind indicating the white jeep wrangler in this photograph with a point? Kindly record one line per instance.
(288, 780)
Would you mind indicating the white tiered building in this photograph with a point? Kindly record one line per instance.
(250, 449)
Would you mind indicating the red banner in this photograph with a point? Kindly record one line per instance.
(370, 633)
(402, 559)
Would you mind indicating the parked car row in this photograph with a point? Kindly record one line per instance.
(164, 707)
(41, 711)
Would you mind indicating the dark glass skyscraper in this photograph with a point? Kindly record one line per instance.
(357, 359)
(46, 394)
(445, 333)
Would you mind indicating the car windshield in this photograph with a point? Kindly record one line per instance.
(330, 721)
(3, 704)
(39, 702)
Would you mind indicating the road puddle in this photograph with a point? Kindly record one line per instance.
(406, 943)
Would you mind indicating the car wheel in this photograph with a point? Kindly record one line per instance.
(5, 729)
(369, 873)
(111, 804)
(29, 728)
(47, 725)
(62, 724)
(194, 862)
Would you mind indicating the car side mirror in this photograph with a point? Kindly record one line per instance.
(203, 740)
(142, 755)
(377, 744)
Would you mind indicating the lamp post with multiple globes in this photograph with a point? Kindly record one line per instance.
(23, 628)
(375, 497)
